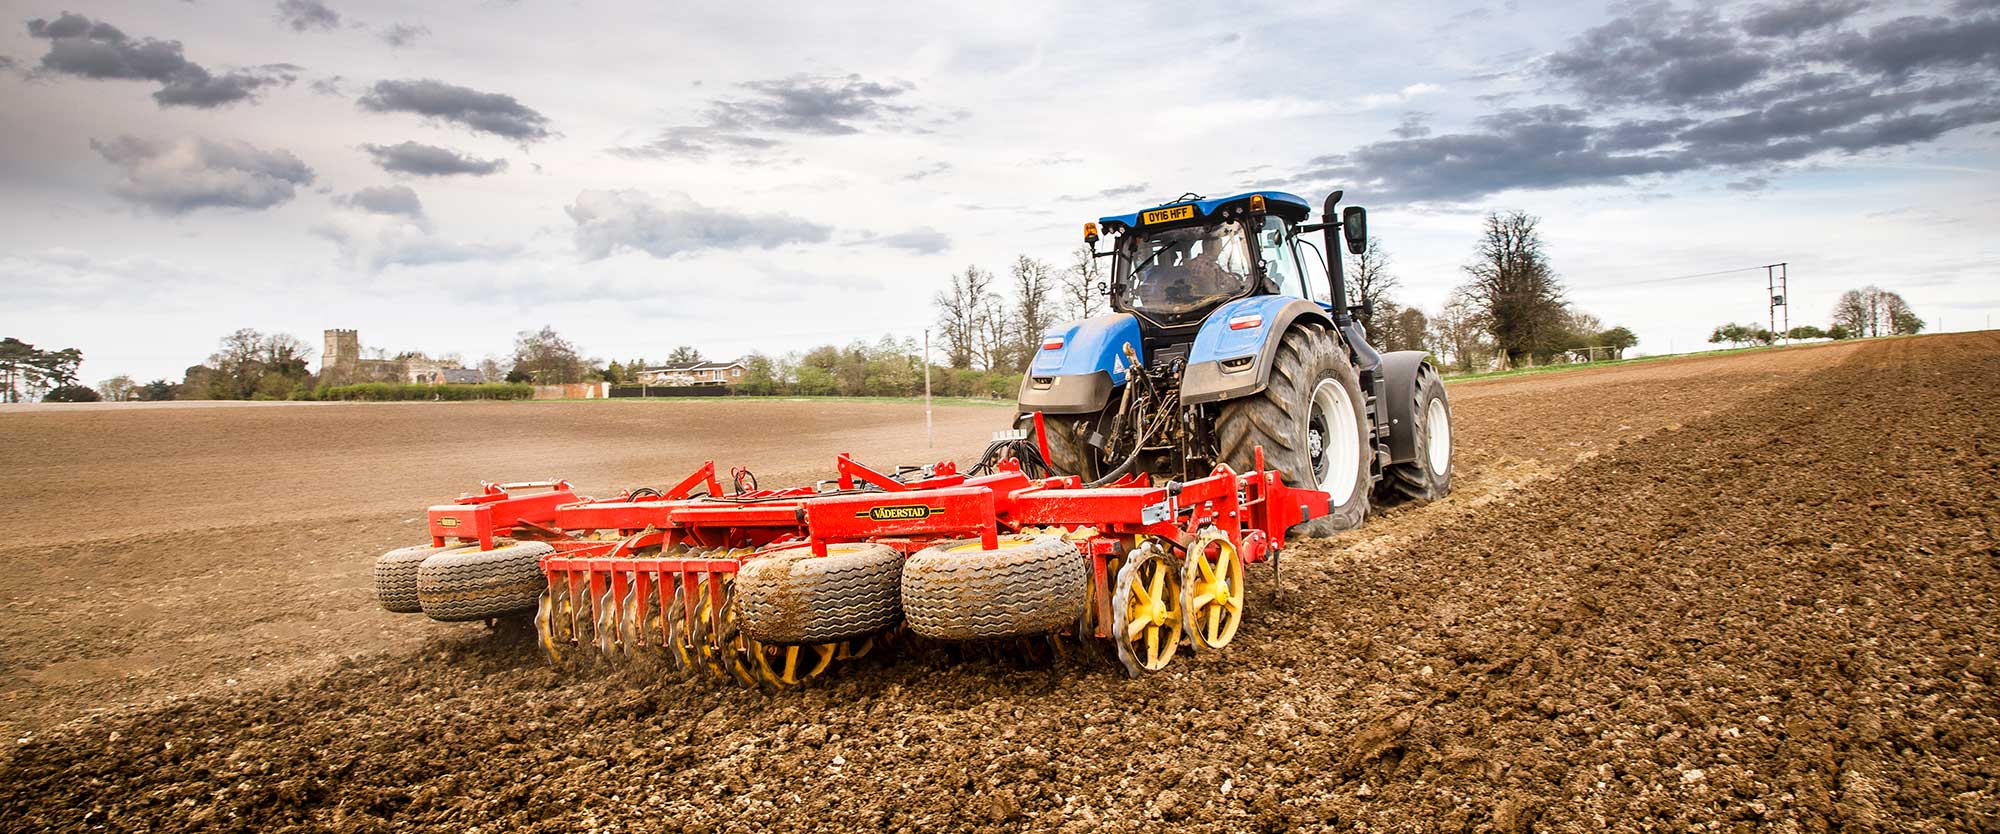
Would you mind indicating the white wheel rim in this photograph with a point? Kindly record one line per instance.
(1333, 440)
(1437, 421)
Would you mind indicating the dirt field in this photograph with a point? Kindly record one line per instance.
(1736, 593)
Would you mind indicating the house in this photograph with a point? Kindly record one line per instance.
(694, 373)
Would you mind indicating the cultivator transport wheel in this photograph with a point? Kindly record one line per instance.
(1312, 423)
(1028, 585)
(1146, 611)
(396, 576)
(1428, 476)
(1211, 598)
(791, 597)
(466, 584)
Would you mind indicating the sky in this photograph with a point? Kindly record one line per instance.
(748, 176)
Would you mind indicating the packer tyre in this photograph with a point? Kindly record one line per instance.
(1029, 585)
(396, 577)
(1428, 477)
(791, 597)
(466, 585)
(1312, 422)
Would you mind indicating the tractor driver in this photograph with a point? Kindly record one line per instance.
(1190, 268)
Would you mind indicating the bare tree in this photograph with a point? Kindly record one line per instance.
(683, 355)
(1369, 282)
(1033, 311)
(961, 307)
(1873, 311)
(547, 358)
(1514, 288)
(1459, 331)
(1079, 285)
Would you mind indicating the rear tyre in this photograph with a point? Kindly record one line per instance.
(465, 585)
(396, 577)
(1313, 427)
(1026, 586)
(791, 597)
(1428, 477)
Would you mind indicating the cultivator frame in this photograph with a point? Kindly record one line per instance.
(648, 573)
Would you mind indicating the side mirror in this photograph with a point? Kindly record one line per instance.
(1354, 224)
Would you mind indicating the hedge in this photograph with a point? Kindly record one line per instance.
(388, 391)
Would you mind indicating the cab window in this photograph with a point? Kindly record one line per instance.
(1281, 266)
(1318, 287)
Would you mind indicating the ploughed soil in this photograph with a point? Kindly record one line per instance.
(1730, 593)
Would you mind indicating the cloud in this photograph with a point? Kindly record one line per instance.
(928, 171)
(307, 14)
(1663, 91)
(922, 240)
(1659, 54)
(796, 105)
(1782, 21)
(180, 175)
(1749, 184)
(377, 228)
(71, 277)
(87, 48)
(387, 199)
(431, 161)
(1413, 126)
(403, 34)
(495, 113)
(664, 226)
(1118, 192)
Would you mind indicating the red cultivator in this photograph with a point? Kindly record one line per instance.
(774, 585)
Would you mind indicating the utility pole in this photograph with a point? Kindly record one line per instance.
(927, 388)
(1774, 279)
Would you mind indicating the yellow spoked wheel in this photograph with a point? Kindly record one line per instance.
(555, 622)
(724, 650)
(784, 667)
(1212, 592)
(854, 649)
(1146, 612)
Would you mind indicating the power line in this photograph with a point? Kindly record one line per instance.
(1679, 277)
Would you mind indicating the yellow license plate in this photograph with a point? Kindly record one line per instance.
(1167, 215)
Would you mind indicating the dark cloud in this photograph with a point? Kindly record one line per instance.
(1909, 44)
(1734, 101)
(431, 161)
(93, 49)
(1750, 184)
(307, 14)
(922, 240)
(387, 199)
(495, 113)
(1413, 126)
(181, 175)
(797, 105)
(1659, 55)
(1791, 21)
(608, 222)
(403, 34)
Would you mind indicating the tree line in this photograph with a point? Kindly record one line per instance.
(1864, 313)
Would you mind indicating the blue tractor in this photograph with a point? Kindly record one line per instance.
(1230, 331)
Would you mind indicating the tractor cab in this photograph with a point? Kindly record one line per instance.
(1175, 264)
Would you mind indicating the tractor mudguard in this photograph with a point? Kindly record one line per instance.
(1399, 377)
(1232, 353)
(1078, 363)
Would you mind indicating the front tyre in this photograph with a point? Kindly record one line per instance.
(1312, 423)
